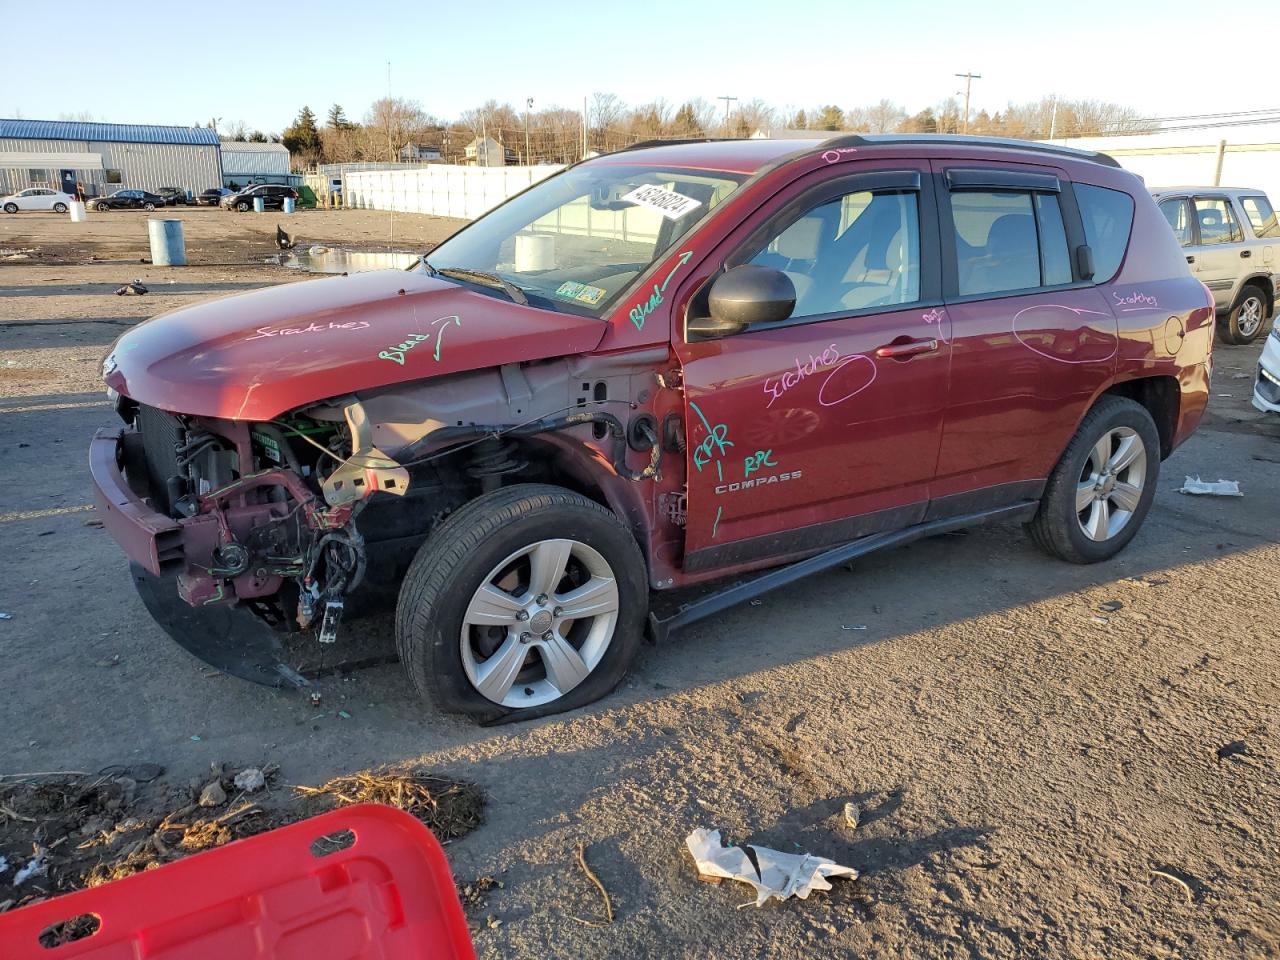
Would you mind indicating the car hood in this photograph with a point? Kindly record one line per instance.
(256, 355)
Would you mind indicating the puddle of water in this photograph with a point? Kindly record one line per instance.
(334, 260)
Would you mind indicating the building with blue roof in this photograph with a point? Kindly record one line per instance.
(104, 157)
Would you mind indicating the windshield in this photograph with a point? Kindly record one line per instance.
(575, 241)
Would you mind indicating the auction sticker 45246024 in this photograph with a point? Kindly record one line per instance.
(666, 202)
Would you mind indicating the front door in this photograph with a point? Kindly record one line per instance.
(825, 426)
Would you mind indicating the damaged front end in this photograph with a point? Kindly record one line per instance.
(264, 515)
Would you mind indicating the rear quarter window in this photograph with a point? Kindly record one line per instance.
(1108, 218)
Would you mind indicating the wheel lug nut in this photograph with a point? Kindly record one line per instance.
(525, 637)
(557, 611)
(547, 636)
(540, 599)
(522, 615)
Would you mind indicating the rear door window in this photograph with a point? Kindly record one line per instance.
(1108, 217)
(1178, 213)
(1008, 240)
(1261, 217)
(1217, 222)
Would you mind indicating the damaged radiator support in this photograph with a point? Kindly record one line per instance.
(617, 433)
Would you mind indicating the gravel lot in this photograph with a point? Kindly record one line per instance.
(1025, 751)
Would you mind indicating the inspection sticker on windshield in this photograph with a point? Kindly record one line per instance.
(582, 292)
(670, 204)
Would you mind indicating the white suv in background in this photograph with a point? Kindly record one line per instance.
(1266, 391)
(1232, 242)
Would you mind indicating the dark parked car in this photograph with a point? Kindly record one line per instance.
(173, 195)
(764, 353)
(211, 197)
(129, 200)
(273, 197)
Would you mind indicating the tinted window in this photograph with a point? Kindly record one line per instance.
(1217, 222)
(1055, 260)
(1178, 213)
(855, 252)
(996, 247)
(1108, 217)
(1261, 216)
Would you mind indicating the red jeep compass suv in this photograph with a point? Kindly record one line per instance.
(655, 368)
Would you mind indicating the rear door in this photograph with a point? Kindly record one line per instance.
(1219, 259)
(1032, 340)
(823, 427)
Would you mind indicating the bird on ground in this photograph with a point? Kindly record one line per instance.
(132, 289)
(283, 240)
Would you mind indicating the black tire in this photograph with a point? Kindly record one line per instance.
(59, 208)
(453, 562)
(1247, 320)
(10, 208)
(242, 207)
(102, 207)
(148, 206)
(1057, 526)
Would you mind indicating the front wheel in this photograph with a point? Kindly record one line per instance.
(1247, 319)
(1101, 489)
(242, 206)
(528, 601)
(103, 207)
(148, 206)
(59, 208)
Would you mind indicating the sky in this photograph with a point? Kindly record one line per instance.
(198, 61)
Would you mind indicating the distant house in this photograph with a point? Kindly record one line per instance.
(486, 152)
(419, 152)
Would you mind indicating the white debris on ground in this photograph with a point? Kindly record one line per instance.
(250, 779)
(1211, 488)
(35, 867)
(781, 875)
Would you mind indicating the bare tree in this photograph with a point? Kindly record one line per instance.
(389, 125)
(885, 116)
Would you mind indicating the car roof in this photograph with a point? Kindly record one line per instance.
(1204, 189)
(755, 155)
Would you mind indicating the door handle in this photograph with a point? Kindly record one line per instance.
(1246, 253)
(908, 349)
(1191, 259)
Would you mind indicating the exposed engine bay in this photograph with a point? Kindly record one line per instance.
(307, 518)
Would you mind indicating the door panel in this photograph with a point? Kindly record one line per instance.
(1218, 253)
(801, 434)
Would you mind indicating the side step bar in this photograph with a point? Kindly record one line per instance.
(710, 605)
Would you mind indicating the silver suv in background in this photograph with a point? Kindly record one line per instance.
(1232, 242)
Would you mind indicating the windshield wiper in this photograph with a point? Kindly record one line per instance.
(488, 279)
(422, 262)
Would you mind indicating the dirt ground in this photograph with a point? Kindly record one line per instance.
(1052, 761)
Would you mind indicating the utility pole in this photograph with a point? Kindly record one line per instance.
(528, 105)
(584, 128)
(968, 83)
(727, 101)
(1053, 118)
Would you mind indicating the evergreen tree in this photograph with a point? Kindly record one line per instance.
(338, 119)
(801, 120)
(829, 117)
(302, 137)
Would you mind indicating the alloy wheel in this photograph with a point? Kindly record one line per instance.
(1111, 483)
(1249, 319)
(539, 623)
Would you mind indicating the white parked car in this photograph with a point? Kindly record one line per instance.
(1266, 389)
(37, 198)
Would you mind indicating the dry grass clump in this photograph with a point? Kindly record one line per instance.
(451, 808)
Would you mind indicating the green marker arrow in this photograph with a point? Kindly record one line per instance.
(684, 258)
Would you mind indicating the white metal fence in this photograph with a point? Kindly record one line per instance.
(443, 190)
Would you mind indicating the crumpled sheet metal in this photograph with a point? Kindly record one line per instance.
(781, 875)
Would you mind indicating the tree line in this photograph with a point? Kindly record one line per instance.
(555, 134)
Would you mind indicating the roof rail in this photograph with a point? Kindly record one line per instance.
(645, 144)
(874, 139)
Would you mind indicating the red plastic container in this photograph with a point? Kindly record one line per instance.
(388, 895)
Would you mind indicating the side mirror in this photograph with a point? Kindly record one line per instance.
(1084, 261)
(743, 296)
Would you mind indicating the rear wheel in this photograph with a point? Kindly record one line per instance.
(528, 601)
(148, 206)
(103, 207)
(1247, 319)
(59, 207)
(1100, 491)
(10, 208)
